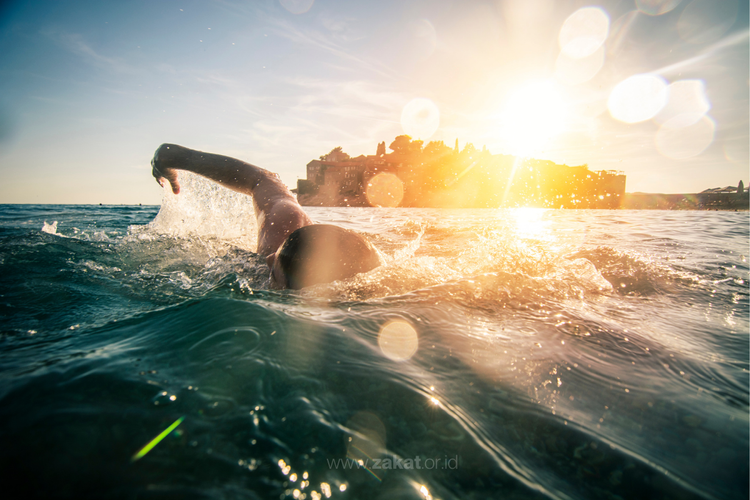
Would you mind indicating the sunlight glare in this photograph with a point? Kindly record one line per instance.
(533, 115)
(325, 488)
(531, 224)
(638, 98)
(584, 32)
(424, 491)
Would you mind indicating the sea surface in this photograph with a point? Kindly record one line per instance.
(511, 354)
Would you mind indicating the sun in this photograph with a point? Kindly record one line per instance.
(533, 115)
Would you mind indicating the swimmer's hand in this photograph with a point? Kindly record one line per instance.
(162, 166)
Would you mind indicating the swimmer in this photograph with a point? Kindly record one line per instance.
(299, 252)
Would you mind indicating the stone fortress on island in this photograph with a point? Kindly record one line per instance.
(438, 176)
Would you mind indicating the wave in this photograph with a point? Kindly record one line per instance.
(532, 363)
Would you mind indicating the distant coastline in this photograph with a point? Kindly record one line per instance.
(712, 199)
(437, 176)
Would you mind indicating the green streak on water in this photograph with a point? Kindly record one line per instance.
(157, 440)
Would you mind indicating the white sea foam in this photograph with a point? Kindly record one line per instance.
(50, 228)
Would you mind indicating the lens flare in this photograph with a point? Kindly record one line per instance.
(367, 439)
(398, 340)
(656, 7)
(679, 139)
(619, 31)
(705, 21)
(638, 98)
(584, 32)
(423, 38)
(385, 190)
(737, 150)
(297, 6)
(572, 71)
(143, 451)
(420, 118)
(687, 98)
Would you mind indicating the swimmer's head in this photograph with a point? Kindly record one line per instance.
(321, 253)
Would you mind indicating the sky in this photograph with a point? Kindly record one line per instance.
(657, 89)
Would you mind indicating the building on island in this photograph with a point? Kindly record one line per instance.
(436, 175)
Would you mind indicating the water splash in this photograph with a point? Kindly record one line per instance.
(206, 209)
(50, 228)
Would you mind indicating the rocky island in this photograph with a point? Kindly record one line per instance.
(438, 176)
(435, 175)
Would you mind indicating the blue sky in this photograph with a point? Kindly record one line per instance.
(89, 89)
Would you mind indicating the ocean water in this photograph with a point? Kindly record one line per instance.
(498, 354)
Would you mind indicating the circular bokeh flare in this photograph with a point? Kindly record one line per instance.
(297, 6)
(384, 190)
(420, 118)
(398, 340)
(584, 32)
(638, 98)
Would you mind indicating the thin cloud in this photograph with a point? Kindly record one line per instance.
(76, 44)
(730, 41)
(219, 80)
(353, 90)
(53, 100)
(315, 39)
(340, 28)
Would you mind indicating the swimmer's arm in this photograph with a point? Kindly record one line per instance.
(264, 186)
(276, 209)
